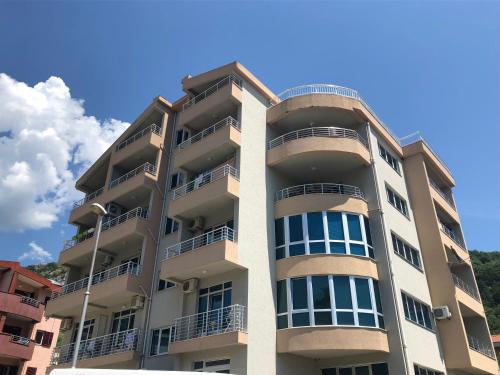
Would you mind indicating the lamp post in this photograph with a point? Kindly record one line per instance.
(100, 212)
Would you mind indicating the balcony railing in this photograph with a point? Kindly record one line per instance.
(480, 346)
(88, 198)
(20, 340)
(466, 287)
(30, 301)
(139, 212)
(213, 175)
(212, 90)
(451, 234)
(216, 235)
(228, 121)
(123, 341)
(445, 196)
(326, 188)
(130, 268)
(153, 128)
(323, 132)
(213, 322)
(78, 239)
(146, 167)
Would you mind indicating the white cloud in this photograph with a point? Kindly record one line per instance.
(44, 137)
(37, 253)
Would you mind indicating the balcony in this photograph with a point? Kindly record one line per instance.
(319, 197)
(108, 350)
(210, 146)
(220, 328)
(297, 152)
(16, 347)
(110, 287)
(143, 143)
(206, 255)
(468, 295)
(214, 190)
(22, 306)
(130, 224)
(222, 98)
(451, 235)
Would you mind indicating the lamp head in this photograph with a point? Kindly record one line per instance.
(98, 209)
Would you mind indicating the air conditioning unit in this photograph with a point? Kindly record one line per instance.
(114, 209)
(197, 224)
(441, 312)
(107, 261)
(66, 324)
(189, 286)
(137, 302)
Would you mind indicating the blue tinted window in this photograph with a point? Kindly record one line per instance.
(295, 225)
(280, 253)
(335, 228)
(317, 247)
(297, 249)
(367, 231)
(299, 293)
(281, 296)
(377, 296)
(345, 318)
(322, 318)
(279, 231)
(300, 319)
(357, 249)
(321, 292)
(366, 319)
(354, 227)
(282, 321)
(337, 248)
(315, 225)
(363, 294)
(342, 292)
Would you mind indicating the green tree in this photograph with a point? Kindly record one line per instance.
(51, 271)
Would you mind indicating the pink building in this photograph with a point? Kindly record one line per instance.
(27, 337)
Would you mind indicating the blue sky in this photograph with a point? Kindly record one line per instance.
(426, 66)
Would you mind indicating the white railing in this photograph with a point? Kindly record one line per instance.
(198, 182)
(451, 234)
(212, 90)
(79, 238)
(445, 196)
(466, 287)
(319, 188)
(19, 340)
(88, 198)
(323, 132)
(228, 121)
(480, 347)
(30, 301)
(153, 128)
(216, 235)
(123, 341)
(213, 322)
(146, 167)
(126, 268)
(139, 212)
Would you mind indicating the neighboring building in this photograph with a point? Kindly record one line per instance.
(259, 234)
(496, 344)
(27, 335)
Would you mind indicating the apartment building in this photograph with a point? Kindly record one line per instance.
(254, 233)
(27, 335)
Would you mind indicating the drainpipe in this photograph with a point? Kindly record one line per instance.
(391, 272)
(155, 268)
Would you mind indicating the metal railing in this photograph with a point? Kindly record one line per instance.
(451, 234)
(480, 346)
(80, 238)
(466, 287)
(136, 212)
(438, 190)
(88, 198)
(212, 90)
(216, 235)
(19, 340)
(198, 182)
(323, 132)
(416, 137)
(126, 268)
(319, 188)
(30, 301)
(146, 167)
(228, 121)
(214, 322)
(153, 128)
(123, 341)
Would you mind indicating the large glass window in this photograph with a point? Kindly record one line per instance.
(396, 201)
(416, 311)
(373, 369)
(323, 232)
(405, 251)
(389, 158)
(159, 340)
(328, 300)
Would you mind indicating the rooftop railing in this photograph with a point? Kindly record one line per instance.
(323, 132)
(146, 167)
(130, 268)
(153, 128)
(78, 239)
(319, 188)
(205, 179)
(118, 342)
(466, 287)
(212, 90)
(19, 340)
(451, 234)
(440, 191)
(88, 198)
(216, 235)
(214, 322)
(480, 346)
(139, 212)
(228, 121)
(30, 301)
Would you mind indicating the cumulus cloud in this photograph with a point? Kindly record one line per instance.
(45, 136)
(36, 253)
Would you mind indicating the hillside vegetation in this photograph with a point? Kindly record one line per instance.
(51, 271)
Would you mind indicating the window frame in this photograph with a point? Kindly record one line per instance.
(427, 370)
(389, 158)
(398, 201)
(406, 248)
(405, 300)
(171, 333)
(335, 370)
(210, 366)
(172, 228)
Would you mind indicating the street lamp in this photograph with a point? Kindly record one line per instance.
(100, 212)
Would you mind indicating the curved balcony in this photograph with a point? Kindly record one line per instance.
(311, 151)
(319, 197)
(21, 305)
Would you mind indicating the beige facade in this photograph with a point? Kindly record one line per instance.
(265, 234)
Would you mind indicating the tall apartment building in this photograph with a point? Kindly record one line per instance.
(27, 335)
(256, 233)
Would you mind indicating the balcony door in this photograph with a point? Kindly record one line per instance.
(123, 321)
(211, 308)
